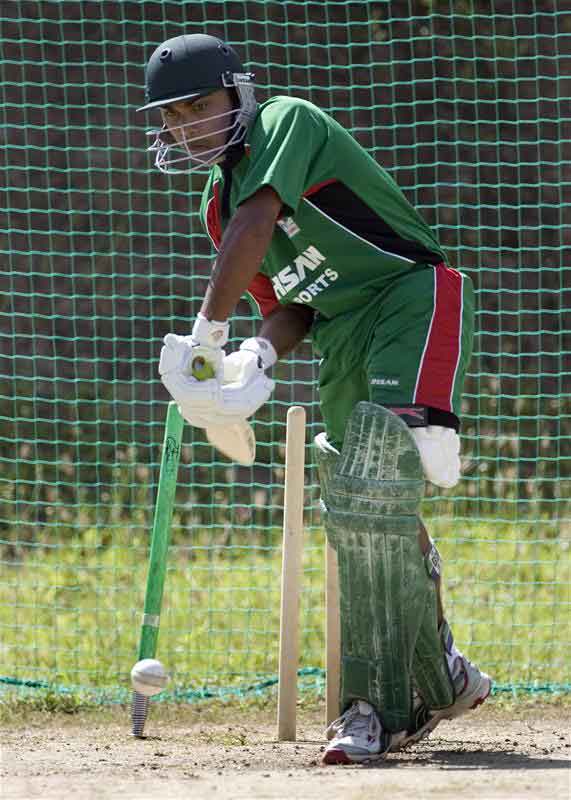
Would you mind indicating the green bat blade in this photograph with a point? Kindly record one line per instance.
(161, 532)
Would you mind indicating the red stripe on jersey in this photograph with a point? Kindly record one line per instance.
(213, 224)
(437, 371)
(317, 186)
(263, 293)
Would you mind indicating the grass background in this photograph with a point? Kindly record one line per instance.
(70, 613)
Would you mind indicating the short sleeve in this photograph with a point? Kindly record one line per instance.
(210, 209)
(262, 292)
(285, 142)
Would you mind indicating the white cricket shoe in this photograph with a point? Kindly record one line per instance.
(357, 736)
(471, 686)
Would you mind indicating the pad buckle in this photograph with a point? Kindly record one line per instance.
(433, 562)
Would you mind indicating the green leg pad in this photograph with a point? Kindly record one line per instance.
(430, 668)
(371, 495)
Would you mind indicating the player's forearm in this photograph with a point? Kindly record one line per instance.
(286, 326)
(244, 245)
(243, 249)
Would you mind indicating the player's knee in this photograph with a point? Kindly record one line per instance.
(439, 449)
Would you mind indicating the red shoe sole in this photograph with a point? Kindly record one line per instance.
(340, 757)
(336, 757)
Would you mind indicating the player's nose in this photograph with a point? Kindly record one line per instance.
(184, 131)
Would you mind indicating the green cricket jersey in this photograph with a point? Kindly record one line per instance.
(346, 231)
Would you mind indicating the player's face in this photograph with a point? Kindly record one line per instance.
(200, 126)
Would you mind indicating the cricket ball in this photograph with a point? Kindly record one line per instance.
(202, 369)
(149, 677)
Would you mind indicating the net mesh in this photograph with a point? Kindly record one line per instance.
(102, 256)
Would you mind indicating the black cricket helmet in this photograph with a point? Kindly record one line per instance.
(185, 68)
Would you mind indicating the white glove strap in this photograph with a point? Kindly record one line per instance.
(209, 333)
(262, 348)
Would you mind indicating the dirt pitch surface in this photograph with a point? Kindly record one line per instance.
(227, 753)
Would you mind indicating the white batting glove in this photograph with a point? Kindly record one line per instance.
(179, 353)
(175, 367)
(255, 355)
(207, 339)
(209, 333)
(245, 386)
(262, 348)
(206, 403)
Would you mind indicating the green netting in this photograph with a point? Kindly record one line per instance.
(467, 104)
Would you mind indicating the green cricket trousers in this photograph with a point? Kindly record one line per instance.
(408, 349)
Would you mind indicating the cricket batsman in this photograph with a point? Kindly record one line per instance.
(318, 233)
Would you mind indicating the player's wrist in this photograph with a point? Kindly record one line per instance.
(210, 332)
(263, 348)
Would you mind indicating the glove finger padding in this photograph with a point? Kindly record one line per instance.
(196, 398)
(207, 404)
(201, 397)
(241, 367)
(210, 403)
(245, 398)
(179, 352)
(175, 354)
